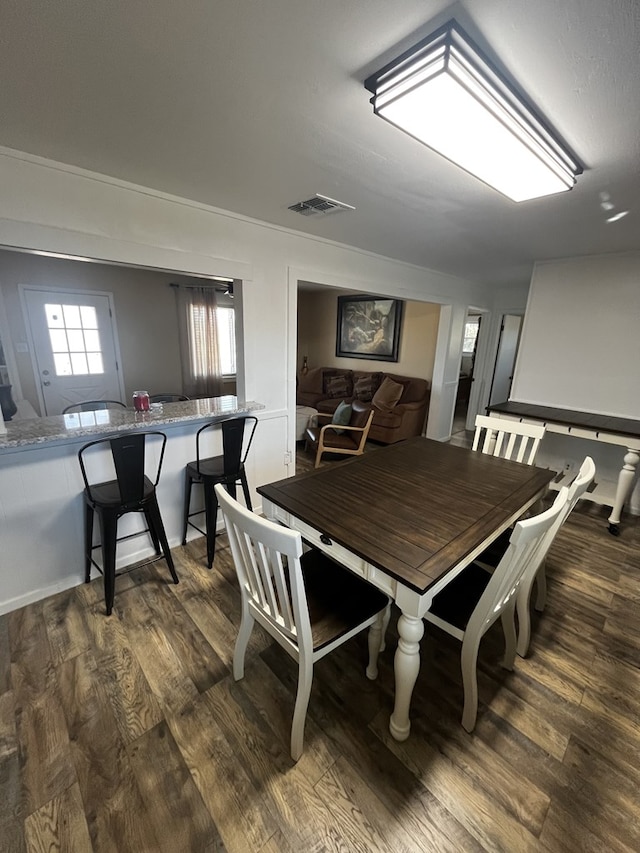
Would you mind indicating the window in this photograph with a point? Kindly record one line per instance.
(226, 330)
(471, 328)
(75, 340)
(202, 348)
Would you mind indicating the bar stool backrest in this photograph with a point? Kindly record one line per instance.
(94, 406)
(235, 446)
(128, 453)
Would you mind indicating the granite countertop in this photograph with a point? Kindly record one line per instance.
(32, 432)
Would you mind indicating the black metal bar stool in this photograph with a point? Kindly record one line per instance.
(130, 491)
(228, 469)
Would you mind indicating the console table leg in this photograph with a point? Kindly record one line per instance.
(407, 666)
(625, 483)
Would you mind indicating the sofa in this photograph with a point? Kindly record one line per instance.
(399, 412)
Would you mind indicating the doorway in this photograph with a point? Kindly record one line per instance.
(508, 343)
(472, 327)
(74, 347)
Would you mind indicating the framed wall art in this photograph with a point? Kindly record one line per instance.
(369, 327)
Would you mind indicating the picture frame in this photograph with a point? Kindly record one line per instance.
(369, 327)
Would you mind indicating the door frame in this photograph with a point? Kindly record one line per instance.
(23, 288)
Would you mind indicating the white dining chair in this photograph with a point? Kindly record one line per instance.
(469, 605)
(305, 601)
(536, 571)
(508, 439)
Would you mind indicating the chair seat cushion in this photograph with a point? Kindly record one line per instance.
(108, 494)
(338, 599)
(212, 467)
(496, 551)
(458, 599)
(332, 439)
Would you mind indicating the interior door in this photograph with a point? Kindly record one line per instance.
(506, 358)
(74, 347)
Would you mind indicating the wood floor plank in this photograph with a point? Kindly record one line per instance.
(165, 672)
(615, 682)
(134, 704)
(12, 805)
(426, 819)
(275, 703)
(181, 820)
(66, 626)
(59, 824)
(5, 654)
(200, 660)
(238, 810)
(116, 815)
(365, 824)
(287, 786)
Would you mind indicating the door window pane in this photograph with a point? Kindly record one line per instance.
(79, 363)
(75, 339)
(62, 362)
(94, 360)
(89, 317)
(71, 316)
(58, 340)
(55, 319)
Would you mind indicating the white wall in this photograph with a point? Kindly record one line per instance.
(57, 208)
(580, 349)
(580, 346)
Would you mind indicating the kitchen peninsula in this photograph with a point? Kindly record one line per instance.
(41, 507)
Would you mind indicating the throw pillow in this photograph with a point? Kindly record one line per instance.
(342, 416)
(364, 388)
(387, 395)
(338, 386)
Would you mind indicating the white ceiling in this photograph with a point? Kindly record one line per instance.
(251, 106)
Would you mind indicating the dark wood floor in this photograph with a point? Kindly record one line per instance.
(129, 733)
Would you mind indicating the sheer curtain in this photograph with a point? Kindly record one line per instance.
(199, 346)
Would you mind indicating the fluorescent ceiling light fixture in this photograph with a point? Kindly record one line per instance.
(447, 94)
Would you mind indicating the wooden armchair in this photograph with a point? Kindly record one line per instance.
(335, 438)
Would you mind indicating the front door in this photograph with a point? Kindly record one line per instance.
(74, 346)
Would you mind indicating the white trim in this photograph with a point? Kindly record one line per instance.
(9, 354)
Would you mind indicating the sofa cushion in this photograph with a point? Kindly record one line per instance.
(365, 386)
(342, 416)
(387, 395)
(339, 386)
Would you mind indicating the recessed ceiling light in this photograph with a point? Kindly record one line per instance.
(617, 216)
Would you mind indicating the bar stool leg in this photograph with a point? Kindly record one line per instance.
(245, 489)
(108, 537)
(211, 516)
(187, 502)
(88, 539)
(152, 531)
(153, 514)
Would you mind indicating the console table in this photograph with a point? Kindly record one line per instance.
(624, 432)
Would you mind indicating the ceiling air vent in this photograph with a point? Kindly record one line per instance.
(319, 204)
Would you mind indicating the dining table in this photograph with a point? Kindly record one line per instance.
(408, 517)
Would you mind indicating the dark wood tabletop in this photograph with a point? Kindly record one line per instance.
(414, 509)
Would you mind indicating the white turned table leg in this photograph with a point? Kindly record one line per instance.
(625, 483)
(407, 666)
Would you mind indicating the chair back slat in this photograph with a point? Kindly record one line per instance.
(508, 439)
(128, 459)
(525, 544)
(267, 560)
